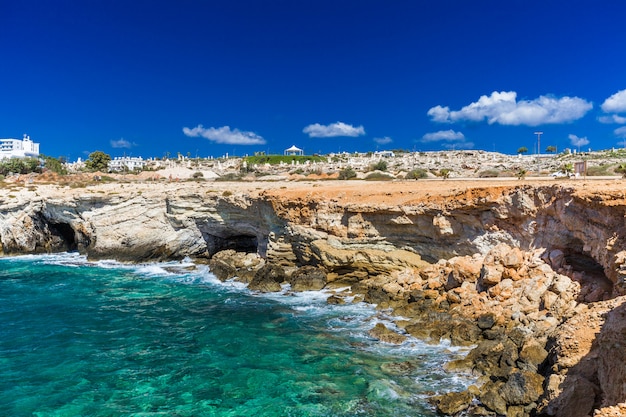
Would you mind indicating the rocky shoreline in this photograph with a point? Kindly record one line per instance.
(531, 274)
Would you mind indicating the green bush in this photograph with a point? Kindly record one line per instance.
(378, 176)
(598, 171)
(285, 159)
(444, 173)
(489, 173)
(379, 166)
(416, 174)
(19, 166)
(229, 177)
(347, 173)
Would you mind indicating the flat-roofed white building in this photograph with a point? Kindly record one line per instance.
(16, 148)
(121, 163)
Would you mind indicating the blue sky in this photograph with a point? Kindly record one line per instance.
(146, 78)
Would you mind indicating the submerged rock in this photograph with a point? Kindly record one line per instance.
(384, 334)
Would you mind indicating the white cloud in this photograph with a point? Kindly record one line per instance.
(224, 135)
(443, 135)
(383, 141)
(503, 108)
(616, 103)
(449, 138)
(333, 130)
(578, 142)
(620, 132)
(613, 118)
(122, 143)
(458, 145)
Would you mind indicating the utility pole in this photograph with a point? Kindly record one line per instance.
(538, 150)
(538, 141)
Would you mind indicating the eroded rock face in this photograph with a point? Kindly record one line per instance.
(515, 270)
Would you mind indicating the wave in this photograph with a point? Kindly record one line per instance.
(352, 318)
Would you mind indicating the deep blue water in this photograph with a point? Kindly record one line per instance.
(104, 339)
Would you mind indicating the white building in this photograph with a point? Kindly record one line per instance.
(126, 162)
(16, 148)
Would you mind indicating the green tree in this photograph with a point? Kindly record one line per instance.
(54, 165)
(31, 165)
(551, 149)
(523, 149)
(98, 161)
(19, 166)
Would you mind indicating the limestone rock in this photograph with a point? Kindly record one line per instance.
(268, 279)
(522, 387)
(308, 278)
(486, 321)
(491, 275)
(453, 402)
(490, 396)
(576, 400)
(532, 355)
(335, 299)
(384, 334)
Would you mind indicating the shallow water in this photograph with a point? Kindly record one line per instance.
(104, 339)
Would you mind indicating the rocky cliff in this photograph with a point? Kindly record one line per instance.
(536, 256)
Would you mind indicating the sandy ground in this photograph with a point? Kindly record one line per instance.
(410, 192)
(396, 192)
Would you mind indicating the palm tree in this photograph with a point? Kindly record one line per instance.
(569, 168)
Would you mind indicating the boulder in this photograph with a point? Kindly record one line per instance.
(492, 399)
(384, 334)
(268, 278)
(453, 402)
(486, 321)
(514, 258)
(493, 357)
(467, 268)
(453, 281)
(532, 355)
(522, 387)
(335, 299)
(464, 332)
(222, 269)
(308, 278)
(229, 264)
(490, 275)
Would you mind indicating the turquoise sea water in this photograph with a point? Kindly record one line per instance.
(104, 339)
